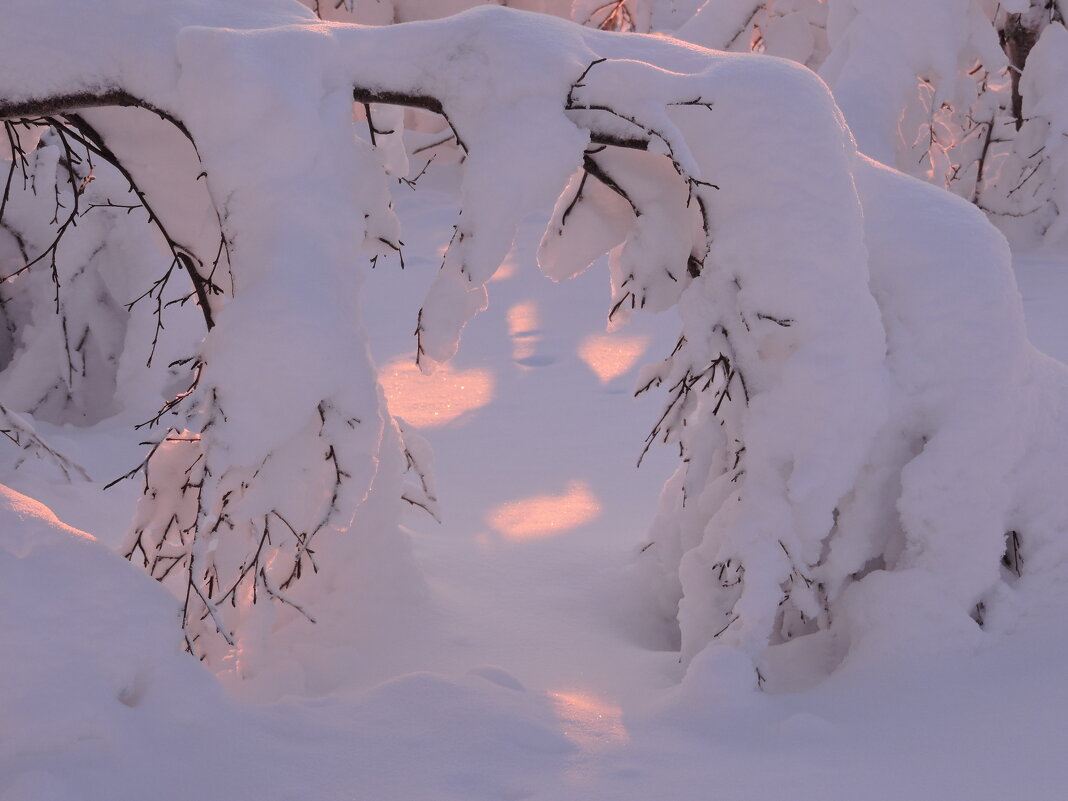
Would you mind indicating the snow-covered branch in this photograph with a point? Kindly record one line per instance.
(815, 394)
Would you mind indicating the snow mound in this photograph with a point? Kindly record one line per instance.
(89, 656)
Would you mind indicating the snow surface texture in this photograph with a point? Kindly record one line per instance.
(866, 430)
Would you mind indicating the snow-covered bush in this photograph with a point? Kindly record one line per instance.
(794, 29)
(848, 334)
(1029, 190)
(917, 82)
(281, 432)
(82, 308)
(932, 88)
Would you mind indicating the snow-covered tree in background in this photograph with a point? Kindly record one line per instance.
(931, 88)
(1029, 190)
(861, 418)
(90, 275)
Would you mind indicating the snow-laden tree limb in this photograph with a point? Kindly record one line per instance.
(825, 412)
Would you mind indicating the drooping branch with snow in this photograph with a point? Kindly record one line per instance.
(825, 394)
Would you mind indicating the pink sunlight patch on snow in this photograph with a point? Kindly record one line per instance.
(27, 509)
(544, 516)
(505, 271)
(612, 355)
(523, 329)
(426, 401)
(589, 721)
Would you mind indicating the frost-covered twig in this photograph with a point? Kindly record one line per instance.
(17, 429)
(614, 15)
(204, 286)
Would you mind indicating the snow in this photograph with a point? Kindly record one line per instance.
(880, 51)
(897, 423)
(1046, 102)
(543, 680)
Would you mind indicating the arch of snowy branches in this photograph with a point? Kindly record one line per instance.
(866, 434)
